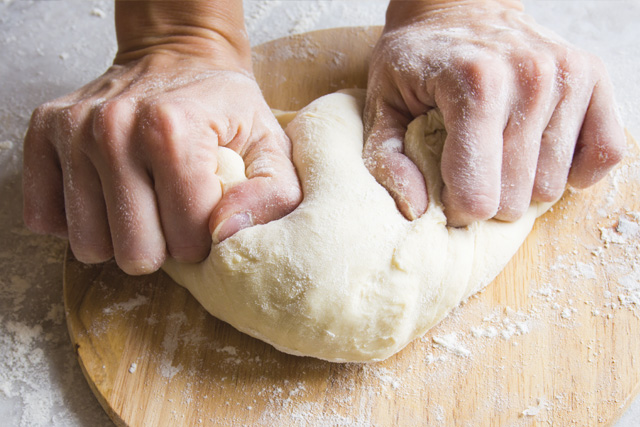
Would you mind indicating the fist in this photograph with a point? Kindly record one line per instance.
(526, 113)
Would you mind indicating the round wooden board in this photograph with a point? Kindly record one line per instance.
(553, 340)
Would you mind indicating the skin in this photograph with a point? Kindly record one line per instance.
(125, 166)
(526, 113)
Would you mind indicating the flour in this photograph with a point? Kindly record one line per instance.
(55, 314)
(624, 262)
(504, 323)
(533, 411)
(40, 381)
(628, 228)
(583, 270)
(566, 313)
(97, 12)
(170, 344)
(126, 306)
(450, 342)
(229, 350)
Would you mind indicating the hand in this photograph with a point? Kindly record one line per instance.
(525, 112)
(126, 164)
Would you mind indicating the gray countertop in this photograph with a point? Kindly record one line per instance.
(49, 48)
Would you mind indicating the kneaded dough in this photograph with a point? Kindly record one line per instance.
(345, 277)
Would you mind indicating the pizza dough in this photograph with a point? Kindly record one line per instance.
(345, 277)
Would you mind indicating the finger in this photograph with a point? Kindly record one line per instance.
(89, 235)
(473, 101)
(471, 166)
(384, 157)
(136, 232)
(42, 181)
(557, 145)
(534, 77)
(271, 191)
(183, 154)
(519, 158)
(601, 143)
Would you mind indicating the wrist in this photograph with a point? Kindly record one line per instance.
(404, 12)
(211, 30)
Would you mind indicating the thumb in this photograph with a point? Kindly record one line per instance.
(384, 157)
(271, 191)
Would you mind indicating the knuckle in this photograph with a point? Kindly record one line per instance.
(162, 131)
(110, 118)
(68, 121)
(572, 67)
(163, 121)
(536, 72)
(483, 77)
(40, 115)
(568, 58)
(109, 115)
(594, 62)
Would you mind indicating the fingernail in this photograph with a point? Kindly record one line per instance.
(231, 226)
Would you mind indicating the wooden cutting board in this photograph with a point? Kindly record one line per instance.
(553, 341)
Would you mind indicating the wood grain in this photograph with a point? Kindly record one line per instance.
(552, 341)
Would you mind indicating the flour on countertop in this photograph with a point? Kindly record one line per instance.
(133, 303)
(98, 12)
(450, 342)
(503, 323)
(41, 383)
(533, 411)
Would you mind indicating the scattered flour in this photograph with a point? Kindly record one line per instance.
(229, 350)
(98, 12)
(133, 303)
(40, 379)
(170, 344)
(533, 411)
(583, 270)
(628, 229)
(450, 342)
(495, 324)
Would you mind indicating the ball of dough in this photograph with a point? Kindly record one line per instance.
(345, 277)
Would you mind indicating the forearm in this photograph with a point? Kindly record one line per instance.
(211, 29)
(402, 12)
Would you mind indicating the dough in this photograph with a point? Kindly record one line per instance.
(345, 277)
